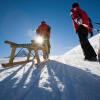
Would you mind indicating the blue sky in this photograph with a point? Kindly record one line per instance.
(19, 18)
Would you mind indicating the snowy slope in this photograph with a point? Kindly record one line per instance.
(75, 57)
(65, 77)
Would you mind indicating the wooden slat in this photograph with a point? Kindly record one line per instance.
(11, 43)
(15, 63)
(18, 45)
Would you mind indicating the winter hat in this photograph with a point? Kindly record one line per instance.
(75, 5)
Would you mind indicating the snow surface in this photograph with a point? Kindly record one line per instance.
(66, 77)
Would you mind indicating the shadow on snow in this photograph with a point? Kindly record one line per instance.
(64, 82)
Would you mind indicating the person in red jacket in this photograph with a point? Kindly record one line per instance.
(43, 30)
(82, 27)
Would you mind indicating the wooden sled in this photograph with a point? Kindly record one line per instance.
(31, 46)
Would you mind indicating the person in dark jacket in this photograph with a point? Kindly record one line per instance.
(82, 27)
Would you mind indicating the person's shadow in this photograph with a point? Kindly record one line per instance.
(55, 81)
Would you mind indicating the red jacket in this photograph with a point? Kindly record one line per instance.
(78, 13)
(44, 30)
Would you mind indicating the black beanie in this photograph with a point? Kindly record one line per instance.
(75, 5)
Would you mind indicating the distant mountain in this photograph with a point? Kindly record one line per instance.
(22, 53)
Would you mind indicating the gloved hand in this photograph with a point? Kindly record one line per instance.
(78, 21)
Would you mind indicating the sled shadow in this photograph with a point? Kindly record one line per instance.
(55, 81)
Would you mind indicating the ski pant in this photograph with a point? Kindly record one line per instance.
(46, 48)
(88, 50)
